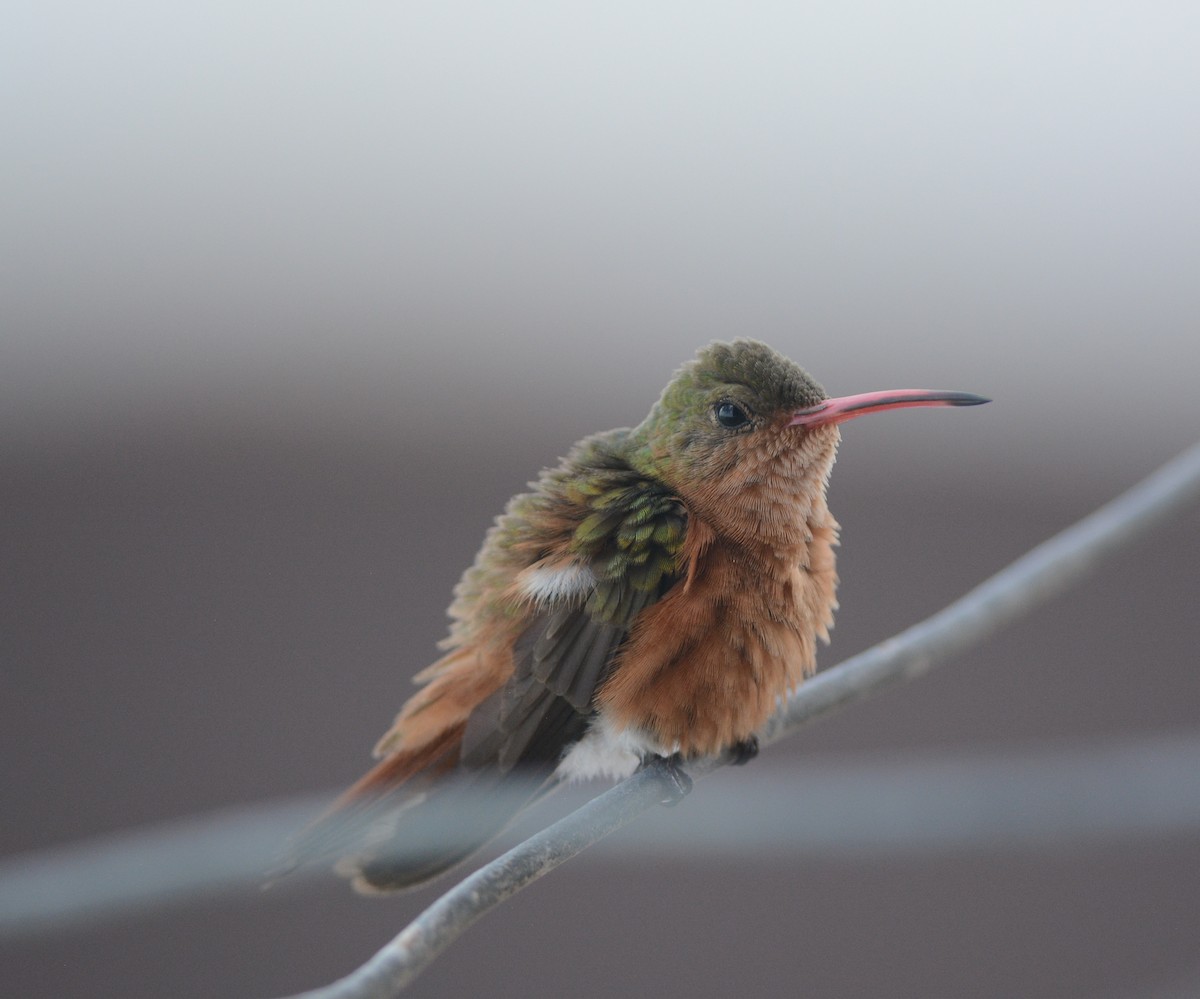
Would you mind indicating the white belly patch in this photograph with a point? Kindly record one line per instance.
(608, 753)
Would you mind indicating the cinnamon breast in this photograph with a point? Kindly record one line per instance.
(706, 665)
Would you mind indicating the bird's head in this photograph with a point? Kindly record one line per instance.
(740, 425)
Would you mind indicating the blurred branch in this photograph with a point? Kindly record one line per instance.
(135, 869)
(868, 806)
(1042, 573)
(1185, 986)
(1040, 798)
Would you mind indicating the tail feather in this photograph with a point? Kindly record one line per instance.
(432, 760)
(454, 820)
(393, 785)
(416, 814)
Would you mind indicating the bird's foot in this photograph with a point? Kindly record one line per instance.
(672, 776)
(744, 751)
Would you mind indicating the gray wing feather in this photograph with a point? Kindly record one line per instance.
(559, 661)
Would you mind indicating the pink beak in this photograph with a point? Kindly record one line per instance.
(847, 407)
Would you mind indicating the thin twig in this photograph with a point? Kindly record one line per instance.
(1042, 573)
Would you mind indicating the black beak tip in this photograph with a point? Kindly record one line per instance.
(967, 399)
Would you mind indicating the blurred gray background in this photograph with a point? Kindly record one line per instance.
(294, 296)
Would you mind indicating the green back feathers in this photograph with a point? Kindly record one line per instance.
(632, 528)
(631, 539)
(593, 508)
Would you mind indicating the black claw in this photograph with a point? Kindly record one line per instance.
(743, 752)
(670, 772)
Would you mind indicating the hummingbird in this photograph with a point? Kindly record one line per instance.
(652, 598)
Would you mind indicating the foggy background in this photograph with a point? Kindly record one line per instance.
(295, 296)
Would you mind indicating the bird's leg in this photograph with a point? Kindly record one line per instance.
(670, 772)
(743, 752)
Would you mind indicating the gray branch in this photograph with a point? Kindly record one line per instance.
(1051, 568)
(1036, 577)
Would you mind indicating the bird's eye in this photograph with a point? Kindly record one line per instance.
(731, 416)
